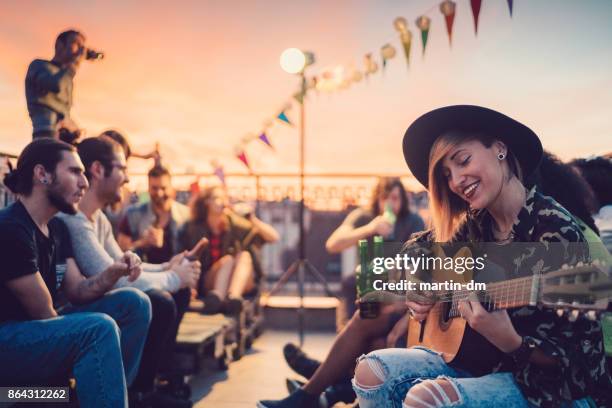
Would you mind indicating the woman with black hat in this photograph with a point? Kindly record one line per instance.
(472, 160)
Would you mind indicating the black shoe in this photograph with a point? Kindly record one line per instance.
(293, 385)
(212, 303)
(299, 361)
(298, 399)
(233, 306)
(340, 392)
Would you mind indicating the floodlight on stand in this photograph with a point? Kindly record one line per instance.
(293, 61)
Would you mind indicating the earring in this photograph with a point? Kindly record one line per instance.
(501, 156)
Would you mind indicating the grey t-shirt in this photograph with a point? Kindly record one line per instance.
(95, 249)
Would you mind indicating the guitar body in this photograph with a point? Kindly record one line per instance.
(439, 332)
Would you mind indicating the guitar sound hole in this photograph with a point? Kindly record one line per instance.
(445, 315)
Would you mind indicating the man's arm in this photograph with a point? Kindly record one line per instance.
(90, 255)
(127, 244)
(33, 295)
(124, 238)
(80, 289)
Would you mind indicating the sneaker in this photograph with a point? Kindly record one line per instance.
(342, 391)
(298, 399)
(232, 306)
(299, 361)
(293, 384)
(212, 303)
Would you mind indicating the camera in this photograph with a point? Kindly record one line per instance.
(93, 54)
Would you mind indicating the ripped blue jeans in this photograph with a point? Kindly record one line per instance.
(400, 369)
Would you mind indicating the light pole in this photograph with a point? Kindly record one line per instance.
(294, 61)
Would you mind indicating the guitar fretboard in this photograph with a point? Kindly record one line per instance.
(499, 295)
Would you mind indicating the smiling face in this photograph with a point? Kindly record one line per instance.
(474, 173)
(109, 180)
(160, 191)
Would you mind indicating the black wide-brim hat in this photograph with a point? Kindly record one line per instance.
(423, 132)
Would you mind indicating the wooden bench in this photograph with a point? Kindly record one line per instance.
(201, 336)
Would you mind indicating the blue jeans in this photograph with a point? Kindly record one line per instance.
(44, 120)
(400, 369)
(86, 341)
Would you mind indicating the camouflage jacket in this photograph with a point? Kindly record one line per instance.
(577, 345)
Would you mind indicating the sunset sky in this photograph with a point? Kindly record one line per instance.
(200, 75)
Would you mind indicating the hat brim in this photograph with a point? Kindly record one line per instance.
(423, 132)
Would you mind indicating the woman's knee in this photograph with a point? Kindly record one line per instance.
(244, 257)
(370, 372)
(437, 393)
(224, 260)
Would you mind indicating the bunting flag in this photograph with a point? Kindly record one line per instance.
(406, 38)
(370, 65)
(476, 12)
(283, 118)
(447, 7)
(401, 25)
(510, 6)
(423, 23)
(241, 155)
(387, 52)
(311, 83)
(218, 171)
(356, 76)
(264, 138)
(194, 186)
(299, 96)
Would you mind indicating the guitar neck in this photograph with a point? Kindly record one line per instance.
(501, 295)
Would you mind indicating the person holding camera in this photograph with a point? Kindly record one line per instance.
(48, 87)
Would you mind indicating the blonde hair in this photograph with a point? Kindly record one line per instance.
(448, 211)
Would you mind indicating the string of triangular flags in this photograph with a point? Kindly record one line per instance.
(340, 77)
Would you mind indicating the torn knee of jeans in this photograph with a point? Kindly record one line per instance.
(437, 393)
(370, 372)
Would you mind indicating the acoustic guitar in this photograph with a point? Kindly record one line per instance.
(580, 289)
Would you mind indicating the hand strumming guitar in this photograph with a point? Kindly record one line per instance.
(494, 326)
(418, 310)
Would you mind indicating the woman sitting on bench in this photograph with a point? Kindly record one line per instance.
(230, 268)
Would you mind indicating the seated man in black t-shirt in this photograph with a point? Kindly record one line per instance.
(99, 339)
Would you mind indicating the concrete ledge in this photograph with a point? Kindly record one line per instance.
(281, 312)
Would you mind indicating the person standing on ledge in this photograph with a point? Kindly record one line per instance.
(48, 88)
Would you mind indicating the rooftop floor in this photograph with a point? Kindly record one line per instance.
(260, 374)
